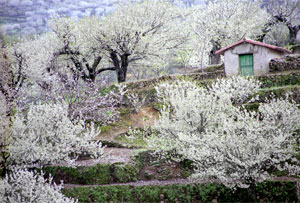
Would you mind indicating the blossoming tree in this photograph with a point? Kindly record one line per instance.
(286, 12)
(139, 31)
(133, 32)
(222, 139)
(25, 186)
(47, 136)
(222, 22)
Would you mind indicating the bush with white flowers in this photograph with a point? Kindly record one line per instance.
(223, 140)
(45, 135)
(238, 89)
(25, 186)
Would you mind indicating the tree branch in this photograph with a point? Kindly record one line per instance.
(104, 69)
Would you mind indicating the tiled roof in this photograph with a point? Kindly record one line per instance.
(221, 51)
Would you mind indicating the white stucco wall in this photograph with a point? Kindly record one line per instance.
(261, 58)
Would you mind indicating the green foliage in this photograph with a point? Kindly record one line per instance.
(124, 173)
(266, 192)
(158, 105)
(214, 68)
(268, 93)
(105, 128)
(137, 137)
(160, 167)
(138, 140)
(124, 112)
(252, 107)
(107, 90)
(98, 174)
(279, 80)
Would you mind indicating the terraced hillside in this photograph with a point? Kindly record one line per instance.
(131, 173)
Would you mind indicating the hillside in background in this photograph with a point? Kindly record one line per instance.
(30, 16)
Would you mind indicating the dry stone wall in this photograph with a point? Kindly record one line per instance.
(288, 62)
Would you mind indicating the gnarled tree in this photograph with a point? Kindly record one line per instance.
(286, 12)
(222, 22)
(140, 31)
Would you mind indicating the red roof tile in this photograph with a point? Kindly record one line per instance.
(221, 51)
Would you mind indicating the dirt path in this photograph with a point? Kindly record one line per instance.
(169, 182)
(141, 183)
(111, 155)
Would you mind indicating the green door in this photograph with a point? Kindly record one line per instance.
(246, 64)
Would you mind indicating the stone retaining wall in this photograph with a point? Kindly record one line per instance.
(288, 62)
(192, 76)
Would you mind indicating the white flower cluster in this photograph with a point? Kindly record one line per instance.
(47, 136)
(34, 56)
(85, 103)
(25, 186)
(223, 140)
(238, 89)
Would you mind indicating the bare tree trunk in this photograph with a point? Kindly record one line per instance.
(266, 29)
(293, 31)
(121, 75)
(252, 192)
(121, 69)
(213, 57)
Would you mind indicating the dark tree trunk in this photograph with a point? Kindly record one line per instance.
(10, 106)
(121, 75)
(261, 37)
(266, 29)
(84, 70)
(120, 66)
(213, 57)
(293, 30)
(4, 155)
(252, 192)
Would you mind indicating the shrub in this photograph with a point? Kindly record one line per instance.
(45, 135)
(25, 186)
(225, 141)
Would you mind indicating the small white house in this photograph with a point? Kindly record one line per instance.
(248, 57)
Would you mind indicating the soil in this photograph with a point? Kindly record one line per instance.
(111, 156)
(141, 183)
(146, 117)
(169, 182)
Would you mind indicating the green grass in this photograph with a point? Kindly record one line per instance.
(137, 141)
(268, 191)
(89, 175)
